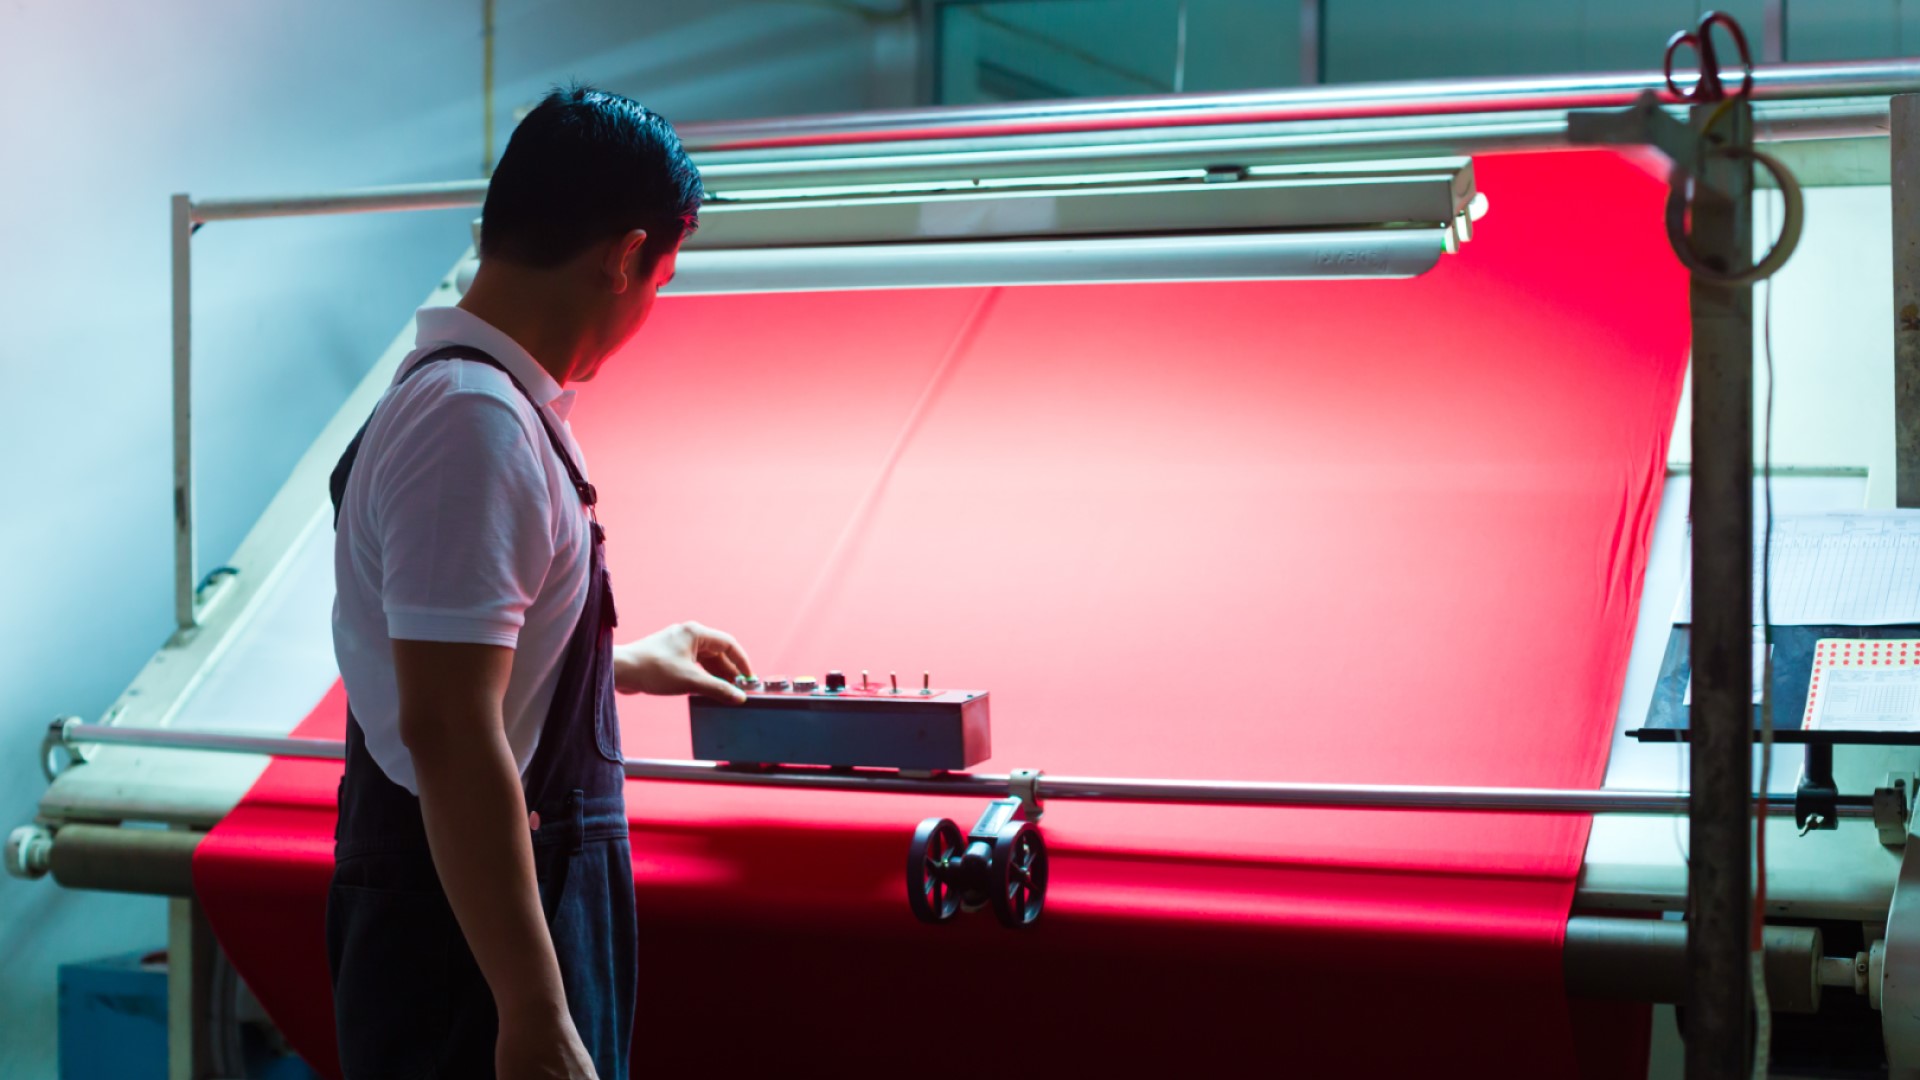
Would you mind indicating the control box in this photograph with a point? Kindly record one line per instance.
(867, 725)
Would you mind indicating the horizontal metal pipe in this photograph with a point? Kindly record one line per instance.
(1400, 797)
(1247, 145)
(1772, 82)
(76, 735)
(1366, 796)
(762, 151)
(447, 196)
(992, 785)
(1546, 132)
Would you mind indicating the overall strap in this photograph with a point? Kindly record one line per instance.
(337, 483)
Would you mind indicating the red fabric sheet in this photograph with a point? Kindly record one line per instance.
(1383, 532)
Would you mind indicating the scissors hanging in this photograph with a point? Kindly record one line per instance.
(1709, 88)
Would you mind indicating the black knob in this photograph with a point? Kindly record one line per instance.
(836, 681)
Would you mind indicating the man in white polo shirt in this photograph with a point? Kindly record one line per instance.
(481, 920)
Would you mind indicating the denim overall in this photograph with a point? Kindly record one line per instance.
(409, 1000)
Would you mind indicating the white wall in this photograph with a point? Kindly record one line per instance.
(1832, 340)
(110, 106)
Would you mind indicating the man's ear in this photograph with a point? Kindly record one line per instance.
(622, 264)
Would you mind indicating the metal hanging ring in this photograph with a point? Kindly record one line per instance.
(1680, 197)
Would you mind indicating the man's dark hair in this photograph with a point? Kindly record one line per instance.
(582, 168)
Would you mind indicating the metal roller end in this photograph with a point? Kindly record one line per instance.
(58, 752)
(29, 852)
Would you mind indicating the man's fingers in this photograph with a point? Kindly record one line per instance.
(706, 685)
(738, 657)
(718, 664)
(710, 642)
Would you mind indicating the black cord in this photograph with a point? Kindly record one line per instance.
(1763, 1014)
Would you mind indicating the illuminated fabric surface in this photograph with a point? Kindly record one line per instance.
(1383, 532)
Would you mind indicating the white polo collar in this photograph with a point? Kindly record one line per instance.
(437, 326)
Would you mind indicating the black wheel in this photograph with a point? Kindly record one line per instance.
(1019, 874)
(933, 865)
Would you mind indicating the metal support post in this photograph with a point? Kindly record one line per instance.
(894, 77)
(1773, 32)
(1905, 125)
(1313, 35)
(190, 961)
(1720, 814)
(185, 549)
(929, 31)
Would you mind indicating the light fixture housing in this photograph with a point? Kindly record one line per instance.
(1367, 220)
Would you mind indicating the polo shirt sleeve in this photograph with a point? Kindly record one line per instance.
(464, 517)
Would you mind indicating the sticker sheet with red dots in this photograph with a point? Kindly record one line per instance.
(1830, 653)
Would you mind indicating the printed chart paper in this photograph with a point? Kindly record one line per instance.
(1850, 569)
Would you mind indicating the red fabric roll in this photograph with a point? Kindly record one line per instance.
(1381, 532)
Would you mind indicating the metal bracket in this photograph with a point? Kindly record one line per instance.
(1024, 784)
(1690, 147)
(1816, 802)
(1893, 809)
(1644, 123)
(978, 850)
(56, 743)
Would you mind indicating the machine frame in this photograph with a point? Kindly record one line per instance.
(1815, 115)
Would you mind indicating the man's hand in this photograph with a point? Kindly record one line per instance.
(685, 658)
(541, 1047)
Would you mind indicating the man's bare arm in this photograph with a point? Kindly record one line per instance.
(476, 820)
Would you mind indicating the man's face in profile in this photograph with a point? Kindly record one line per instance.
(631, 307)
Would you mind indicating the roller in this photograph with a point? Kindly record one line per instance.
(1646, 960)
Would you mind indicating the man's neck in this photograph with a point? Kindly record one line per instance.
(530, 311)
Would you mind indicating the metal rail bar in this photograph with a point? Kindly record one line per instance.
(1315, 143)
(1048, 787)
(1789, 121)
(1772, 82)
(445, 196)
